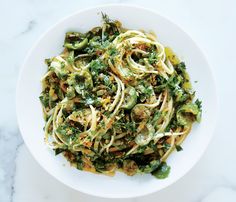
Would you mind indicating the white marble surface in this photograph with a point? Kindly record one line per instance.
(211, 23)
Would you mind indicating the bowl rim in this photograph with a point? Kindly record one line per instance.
(115, 5)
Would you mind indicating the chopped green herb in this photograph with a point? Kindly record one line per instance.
(178, 148)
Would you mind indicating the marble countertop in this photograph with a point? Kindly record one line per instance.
(211, 23)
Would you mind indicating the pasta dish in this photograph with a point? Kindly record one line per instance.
(117, 99)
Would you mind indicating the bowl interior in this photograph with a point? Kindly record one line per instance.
(30, 117)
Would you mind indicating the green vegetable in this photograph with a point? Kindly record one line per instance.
(152, 58)
(112, 51)
(58, 151)
(80, 81)
(64, 133)
(188, 113)
(153, 165)
(59, 68)
(139, 113)
(71, 57)
(156, 116)
(79, 161)
(162, 171)
(130, 167)
(145, 91)
(181, 67)
(77, 45)
(130, 98)
(178, 148)
(130, 126)
(59, 93)
(145, 135)
(166, 146)
(96, 67)
(199, 104)
(70, 92)
(100, 165)
(107, 80)
(44, 98)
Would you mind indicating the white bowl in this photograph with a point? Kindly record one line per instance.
(29, 111)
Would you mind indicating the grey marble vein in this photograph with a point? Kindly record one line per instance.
(31, 24)
(10, 141)
(14, 172)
